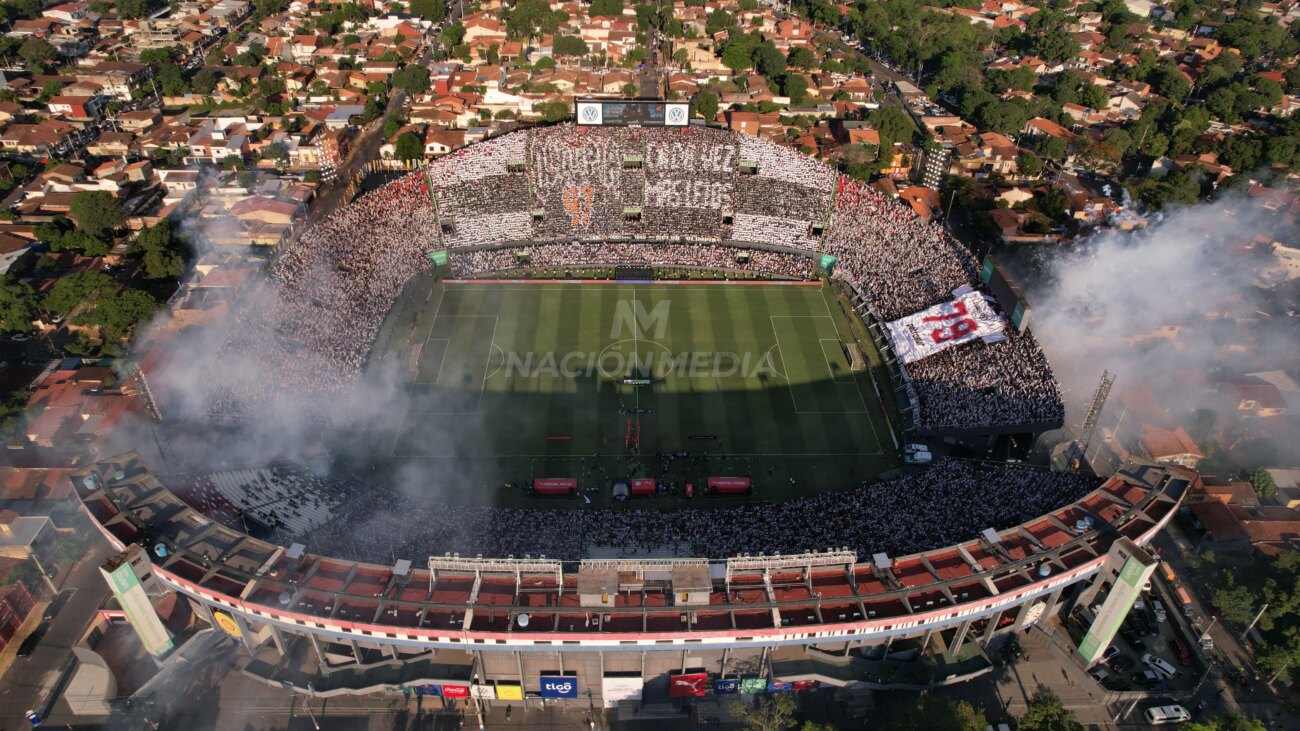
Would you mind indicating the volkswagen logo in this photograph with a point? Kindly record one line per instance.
(676, 114)
(589, 113)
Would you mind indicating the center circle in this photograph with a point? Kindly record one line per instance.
(635, 358)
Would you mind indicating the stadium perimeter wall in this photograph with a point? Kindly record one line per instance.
(387, 621)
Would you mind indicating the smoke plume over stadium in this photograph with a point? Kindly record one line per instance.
(1172, 309)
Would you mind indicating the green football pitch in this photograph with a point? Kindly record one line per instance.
(509, 381)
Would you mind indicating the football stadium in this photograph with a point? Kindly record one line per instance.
(755, 376)
(691, 414)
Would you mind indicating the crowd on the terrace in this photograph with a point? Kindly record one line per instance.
(899, 265)
(565, 187)
(949, 503)
(335, 285)
(699, 256)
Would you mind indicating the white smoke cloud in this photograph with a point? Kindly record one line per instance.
(1174, 309)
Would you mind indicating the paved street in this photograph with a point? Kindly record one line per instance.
(22, 684)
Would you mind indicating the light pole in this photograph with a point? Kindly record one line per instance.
(1251, 626)
(1278, 673)
(311, 693)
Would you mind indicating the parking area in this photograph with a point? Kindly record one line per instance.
(1153, 650)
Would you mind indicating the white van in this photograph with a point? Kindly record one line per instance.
(914, 448)
(1159, 665)
(919, 458)
(1161, 715)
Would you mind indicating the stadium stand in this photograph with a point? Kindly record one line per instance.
(584, 196)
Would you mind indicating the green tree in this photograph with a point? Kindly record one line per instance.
(719, 20)
(452, 35)
(1227, 723)
(999, 116)
(1260, 479)
(705, 106)
(392, 123)
(49, 90)
(118, 313)
(17, 306)
(68, 292)
(570, 46)
(553, 111)
(1053, 148)
(409, 147)
(171, 80)
(96, 212)
(431, 10)
(606, 8)
(936, 712)
(893, 124)
(1030, 165)
(37, 52)
(161, 249)
(1169, 82)
(736, 58)
(413, 79)
(131, 9)
(774, 712)
(1094, 97)
(275, 151)
(768, 61)
(801, 57)
(795, 87)
(1046, 713)
(204, 82)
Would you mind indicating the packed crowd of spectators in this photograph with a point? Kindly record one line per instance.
(567, 183)
(335, 284)
(900, 264)
(947, 504)
(571, 182)
(584, 256)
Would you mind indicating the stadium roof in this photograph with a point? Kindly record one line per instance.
(224, 565)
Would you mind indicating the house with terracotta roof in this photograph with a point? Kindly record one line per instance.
(1254, 396)
(16, 605)
(1169, 446)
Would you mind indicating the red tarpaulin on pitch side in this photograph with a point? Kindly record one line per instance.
(643, 486)
(556, 486)
(729, 485)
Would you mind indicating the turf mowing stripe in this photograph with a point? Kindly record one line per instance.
(707, 330)
(755, 434)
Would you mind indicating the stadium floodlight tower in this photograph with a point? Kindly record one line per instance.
(1090, 420)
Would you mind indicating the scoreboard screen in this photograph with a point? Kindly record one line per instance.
(627, 113)
(1013, 301)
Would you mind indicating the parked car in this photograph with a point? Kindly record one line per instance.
(1160, 665)
(1122, 663)
(1133, 639)
(1145, 677)
(56, 605)
(1160, 715)
(1110, 652)
(1183, 651)
(29, 645)
(1159, 609)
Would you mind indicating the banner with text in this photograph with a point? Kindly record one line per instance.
(922, 334)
